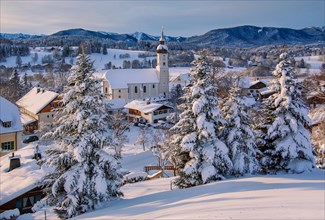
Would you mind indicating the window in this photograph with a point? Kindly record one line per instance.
(106, 90)
(6, 124)
(119, 96)
(7, 145)
(48, 116)
(128, 90)
(27, 202)
(52, 105)
(153, 86)
(52, 116)
(119, 90)
(144, 89)
(136, 89)
(164, 63)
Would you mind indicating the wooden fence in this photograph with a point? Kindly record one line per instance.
(148, 168)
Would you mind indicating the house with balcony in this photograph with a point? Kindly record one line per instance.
(147, 112)
(10, 127)
(37, 107)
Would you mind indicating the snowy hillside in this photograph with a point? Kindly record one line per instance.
(260, 197)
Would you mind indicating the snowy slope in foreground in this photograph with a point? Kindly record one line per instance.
(262, 197)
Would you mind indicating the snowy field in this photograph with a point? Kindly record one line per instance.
(261, 197)
(113, 56)
(99, 59)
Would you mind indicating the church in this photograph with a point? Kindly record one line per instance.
(130, 84)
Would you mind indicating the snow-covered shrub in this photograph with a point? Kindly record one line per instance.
(134, 177)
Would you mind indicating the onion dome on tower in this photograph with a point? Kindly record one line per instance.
(162, 48)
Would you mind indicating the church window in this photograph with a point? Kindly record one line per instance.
(135, 89)
(144, 89)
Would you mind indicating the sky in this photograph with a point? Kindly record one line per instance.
(178, 17)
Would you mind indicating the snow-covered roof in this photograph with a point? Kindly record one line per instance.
(162, 47)
(258, 81)
(244, 82)
(143, 106)
(116, 103)
(120, 78)
(185, 77)
(26, 119)
(36, 99)
(21, 179)
(9, 113)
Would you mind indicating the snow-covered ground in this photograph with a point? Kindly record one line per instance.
(99, 59)
(314, 61)
(259, 197)
(253, 197)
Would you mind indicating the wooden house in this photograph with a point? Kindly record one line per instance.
(147, 112)
(37, 107)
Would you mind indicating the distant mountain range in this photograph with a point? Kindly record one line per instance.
(242, 36)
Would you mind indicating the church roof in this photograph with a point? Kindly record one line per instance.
(120, 78)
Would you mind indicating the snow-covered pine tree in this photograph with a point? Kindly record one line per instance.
(198, 154)
(287, 139)
(81, 174)
(238, 135)
(15, 87)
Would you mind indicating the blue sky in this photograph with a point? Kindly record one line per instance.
(179, 17)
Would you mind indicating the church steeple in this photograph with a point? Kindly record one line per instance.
(162, 48)
(162, 66)
(162, 37)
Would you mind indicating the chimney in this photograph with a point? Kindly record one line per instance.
(14, 162)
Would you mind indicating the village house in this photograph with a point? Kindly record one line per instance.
(147, 112)
(254, 88)
(37, 107)
(130, 84)
(10, 127)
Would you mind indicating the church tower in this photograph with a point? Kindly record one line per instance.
(162, 66)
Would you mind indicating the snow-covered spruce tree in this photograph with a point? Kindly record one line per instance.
(288, 145)
(238, 135)
(198, 154)
(80, 173)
